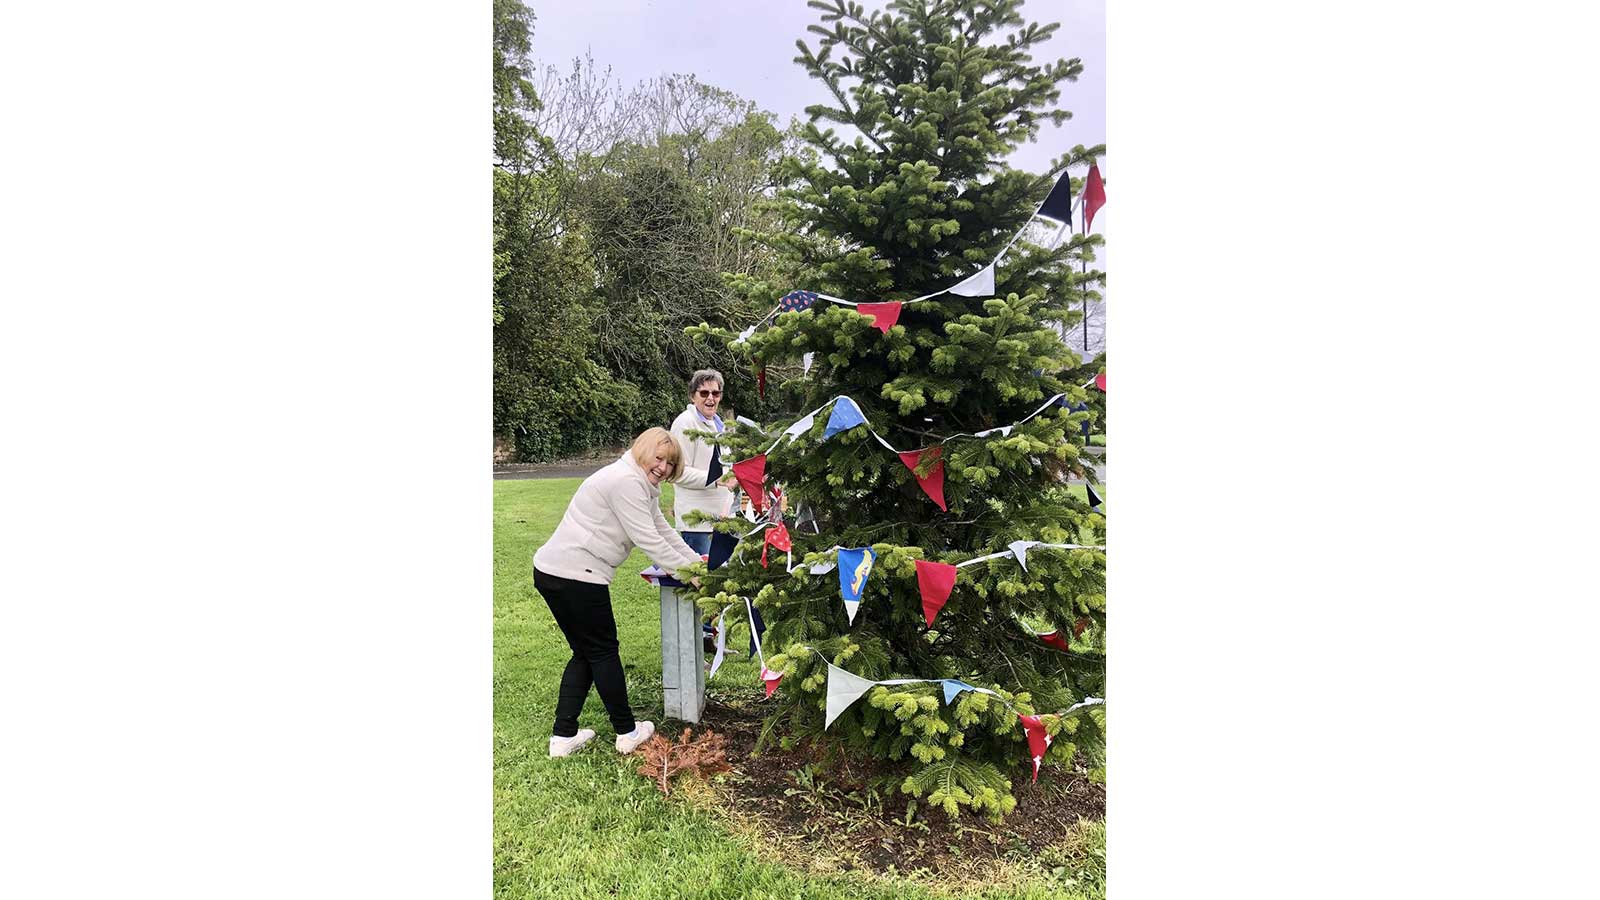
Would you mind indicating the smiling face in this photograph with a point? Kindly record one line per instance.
(706, 398)
(658, 464)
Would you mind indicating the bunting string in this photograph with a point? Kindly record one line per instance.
(978, 284)
(803, 424)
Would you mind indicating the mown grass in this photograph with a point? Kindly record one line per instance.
(587, 825)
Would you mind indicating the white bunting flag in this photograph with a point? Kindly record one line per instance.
(805, 362)
(1019, 549)
(980, 284)
(843, 690)
(801, 427)
(722, 643)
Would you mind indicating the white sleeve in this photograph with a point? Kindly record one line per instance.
(642, 521)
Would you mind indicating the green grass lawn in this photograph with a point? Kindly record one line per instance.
(587, 825)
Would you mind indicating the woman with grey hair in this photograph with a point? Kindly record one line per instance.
(713, 499)
(705, 395)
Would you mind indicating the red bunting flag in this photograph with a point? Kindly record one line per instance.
(1100, 382)
(935, 580)
(761, 382)
(883, 315)
(777, 536)
(771, 679)
(1038, 741)
(1054, 639)
(932, 483)
(752, 475)
(1094, 196)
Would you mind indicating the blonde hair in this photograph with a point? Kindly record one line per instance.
(655, 439)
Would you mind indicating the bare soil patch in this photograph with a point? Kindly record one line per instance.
(820, 812)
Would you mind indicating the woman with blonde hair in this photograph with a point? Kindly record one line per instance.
(614, 510)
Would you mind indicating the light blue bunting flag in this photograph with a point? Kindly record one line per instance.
(846, 415)
(953, 688)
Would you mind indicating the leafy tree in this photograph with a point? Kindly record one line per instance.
(937, 93)
(550, 396)
(615, 214)
(664, 213)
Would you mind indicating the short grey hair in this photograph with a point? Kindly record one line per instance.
(703, 376)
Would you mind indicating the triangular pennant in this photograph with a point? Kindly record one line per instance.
(1100, 382)
(1058, 205)
(1038, 741)
(745, 334)
(843, 690)
(883, 315)
(776, 536)
(1019, 549)
(854, 567)
(805, 362)
(980, 284)
(722, 645)
(795, 301)
(1094, 499)
(721, 548)
(935, 580)
(771, 679)
(1002, 430)
(1054, 639)
(932, 483)
(761, 382)
(845, 415)
(714, 469)
(752, 475)
(806, 517)
(953, 688)
(823, 567)
(1094, 197)
(802, 426)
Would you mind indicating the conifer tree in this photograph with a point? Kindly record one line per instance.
(939, 92)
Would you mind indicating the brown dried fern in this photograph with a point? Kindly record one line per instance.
(705, 756)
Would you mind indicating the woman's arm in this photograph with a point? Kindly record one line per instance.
(642, 521)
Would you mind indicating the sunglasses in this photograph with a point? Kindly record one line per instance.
(708, 394)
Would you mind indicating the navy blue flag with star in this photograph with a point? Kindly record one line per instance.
(795, 301)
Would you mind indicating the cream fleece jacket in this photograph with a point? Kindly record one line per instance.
(689, 491)
(614, 510)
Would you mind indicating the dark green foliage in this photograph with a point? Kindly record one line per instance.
(940, 92)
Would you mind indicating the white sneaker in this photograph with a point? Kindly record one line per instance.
(561, 746)
(627, 743)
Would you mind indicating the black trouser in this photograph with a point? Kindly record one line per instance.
(583, 612)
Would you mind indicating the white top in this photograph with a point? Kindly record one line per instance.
(689, 491)
(614, 510)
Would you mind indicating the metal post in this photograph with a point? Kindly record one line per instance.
(683, 673)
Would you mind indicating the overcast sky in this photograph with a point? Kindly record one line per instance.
(747, 47)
